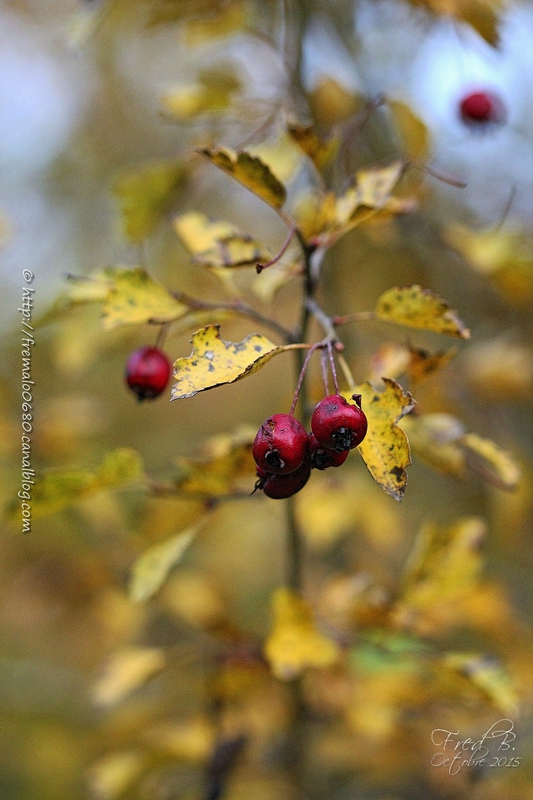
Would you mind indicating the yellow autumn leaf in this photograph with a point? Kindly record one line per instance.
(135, 298)
(81, 290)
(385, 449)
(57, 489)
(251, 172)
(228, 20)
(225, 468)
(144, 194)
(394, 360)
(217, 243)
(111, 775)
(482, 15)
(295, 643)
(372, 190)
(127, 670)
(324, 218)
(269, 281)
(495, 465)
(505, 256)
(500, 367)
(375, 184)
(444, 564)
(434, 438)
(214, 361)
(213, 92)
(413, 134)
(200, 233)
(487, 675)
(422, 364)
(191, 739)
(281, 156)
(440, 440)
(154, 566)
(420, 308)
(165, 11)
(321, 151)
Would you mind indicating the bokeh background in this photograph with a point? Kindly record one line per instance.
(84, 90)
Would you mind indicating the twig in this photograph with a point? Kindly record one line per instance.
(332, 365)
(260, 267)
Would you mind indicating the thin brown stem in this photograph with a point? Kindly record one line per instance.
(324, 367)
(359, 316)
(237, 307)
(260, 267)
(346, 371)
(301, 376)
(332, 365)
(162, 335)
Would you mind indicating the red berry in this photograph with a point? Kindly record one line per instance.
(147, 372)
(482, 108)
(280, 486)
(322, 457)
(337, 424)
(280, 446)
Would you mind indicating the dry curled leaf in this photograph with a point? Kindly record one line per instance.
(295, 643)
(214, 361)
(385, 449)
(420, 308)
(251, 171)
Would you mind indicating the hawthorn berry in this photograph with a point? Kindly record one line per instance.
(338, 425)
(280, 446)
(482, 108)
(322, 457)
(147, 372)
(279, 487)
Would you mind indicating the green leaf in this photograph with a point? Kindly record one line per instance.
(214, 361)
(151, 570)
(251, 172)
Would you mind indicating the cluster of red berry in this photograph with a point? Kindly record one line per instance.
(285, 453)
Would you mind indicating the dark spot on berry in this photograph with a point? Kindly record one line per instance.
(343, 439)
(274, 460)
